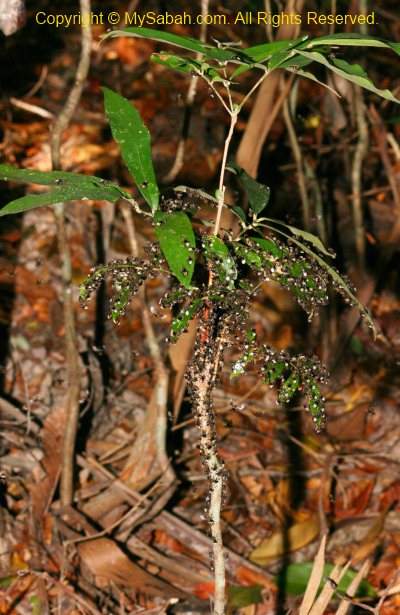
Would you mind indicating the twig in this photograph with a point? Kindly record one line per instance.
(190, 96)
(35, 88)
(28, 404)
(351, 590)
(69, 591)
(356, 174)
(301, 178)
(221, 187)
(72, 356)
(388, 591)
(31, 108)
(380, 132)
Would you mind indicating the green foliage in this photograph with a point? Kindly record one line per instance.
(134, 140)
(351, 72)
(187, 65)
(177, 241)
(217, 252)
(126, 275)
(71, 186)
(289, 374)
(288, 55)
(297, 577)
(257, 193)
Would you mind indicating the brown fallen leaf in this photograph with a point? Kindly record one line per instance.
(42, 491)
(106, 560)
(299, 535)
(179, 355)
(371, 540)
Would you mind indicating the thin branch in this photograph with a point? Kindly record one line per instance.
(356, 173)
(221, 187)
(297, 154)
(72, 356)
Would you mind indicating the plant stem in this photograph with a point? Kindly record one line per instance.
(201, 375)
(72, 356)
(221, 187)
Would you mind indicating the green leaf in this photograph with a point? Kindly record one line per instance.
(351, 72)
(62, 178)
(177, 241)
(269, 246)
(308, 75)
(313, 239)
(260, 53)
(239, 212)
(296, 61)
(248, 257)
(315, 403)
(224, 263)
(239, 597)
(245, 359)
(58, 195)
(289, 388)
(353, 39)
(182, 318)
(187, 65)
(250, 335)
(265, 51)
(191, 44)
(257, 193)
(273, 371)
(298, 575)
(134, 140)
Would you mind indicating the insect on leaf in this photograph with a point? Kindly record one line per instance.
(224, 263)
(183, 317)
(289, 388)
